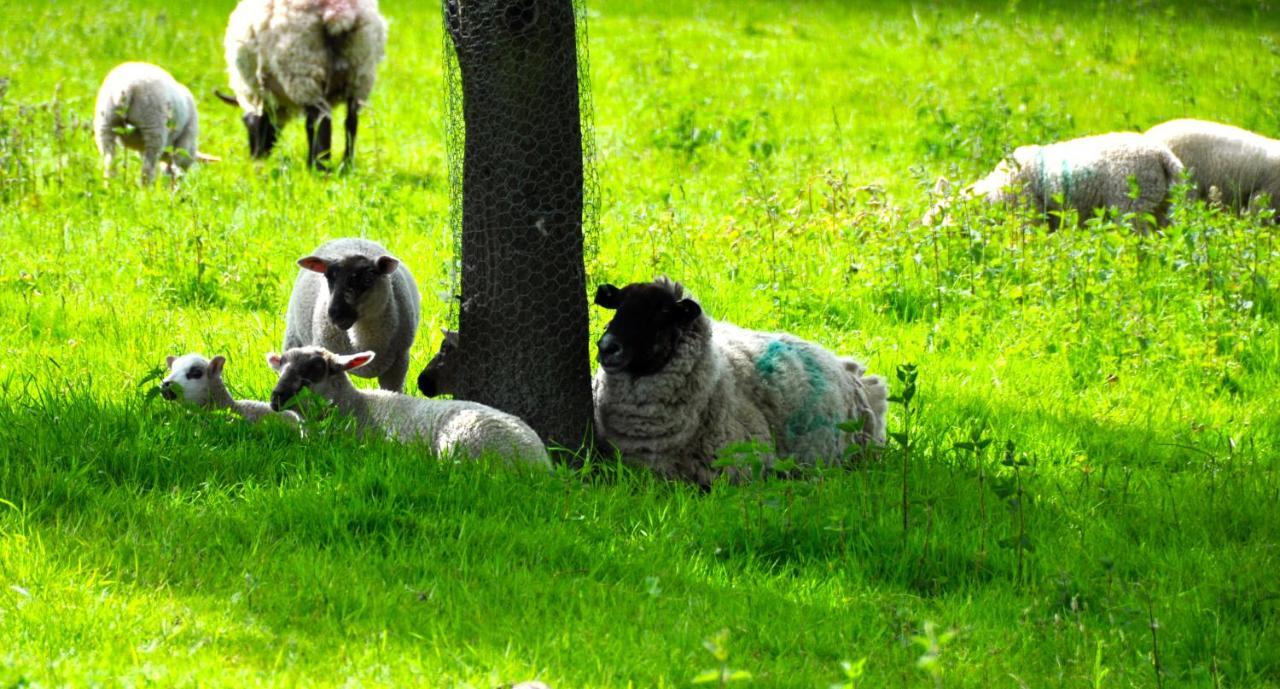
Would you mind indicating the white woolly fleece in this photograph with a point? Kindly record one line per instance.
(145, 108)
(1241, 164)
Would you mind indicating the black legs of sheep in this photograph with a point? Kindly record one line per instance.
(523, 319)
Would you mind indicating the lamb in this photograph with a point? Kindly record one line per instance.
(1242, 165)
(352, 296)
(440, 376)
(675, 387)
(445, 426)
(200, 382)
(291, 56)
(1089, 173)
(145, 108)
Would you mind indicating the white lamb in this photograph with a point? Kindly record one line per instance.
(1124, 172)
(290, 56)
(145, 108)
(675, 388)
(351, 295)
(197, 381)
(1242, 165)
(445, 426)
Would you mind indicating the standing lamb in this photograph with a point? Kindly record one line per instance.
(200, 383)
(1244, 166)
(675, 387)
(447, 426)
(352, 296)
(291, 56)
(1125, 172)
(145, 108)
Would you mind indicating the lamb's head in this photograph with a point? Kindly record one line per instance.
(356, 283)
(440, 377)
(310, 367)
(190, 378)
(650, 319)
(262, 130)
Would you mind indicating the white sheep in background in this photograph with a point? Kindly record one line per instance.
(290, 56)
(1089, 173)
(675, 388)
(145, 108)
(197, 381)
(446, 426)
(1242, 165)
(352, 296)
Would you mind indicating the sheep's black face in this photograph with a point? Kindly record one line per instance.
(438, 378)
(297, 371)
(262, 134)
(642, 337)
(353, 281)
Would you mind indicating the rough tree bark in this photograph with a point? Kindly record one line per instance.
(523, 322)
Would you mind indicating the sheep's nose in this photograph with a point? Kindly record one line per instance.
(609, 346)
(277, 401)
(166, 391)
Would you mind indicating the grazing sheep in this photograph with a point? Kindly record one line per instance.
(446, 426)
(200, 382)
(675, 388)
(352, 296)
(146, 109)
(291, 56)
(1089, 173)
(1242, 165)
(440, 377)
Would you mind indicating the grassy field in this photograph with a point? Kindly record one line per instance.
(1090, 457)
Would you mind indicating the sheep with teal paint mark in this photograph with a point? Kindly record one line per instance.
(675, 388)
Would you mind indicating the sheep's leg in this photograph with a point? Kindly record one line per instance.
(153, 143)
(319, 137)
(352, 123)
(393, 378)
(107, 147)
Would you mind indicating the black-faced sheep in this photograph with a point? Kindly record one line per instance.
(675, 388)
(440, 375)
(1242, 165)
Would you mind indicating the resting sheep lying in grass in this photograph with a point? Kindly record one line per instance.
(1124, 172)
(1242, 165)
(291, 56)
(146, 109)
(675, 388)
(352, 296)
(446, 426)
(197, 381)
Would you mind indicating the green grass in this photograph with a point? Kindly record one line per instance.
(774, 157)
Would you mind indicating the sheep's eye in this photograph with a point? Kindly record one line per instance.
(194, 374)
(367, 280)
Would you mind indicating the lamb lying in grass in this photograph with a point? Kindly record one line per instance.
(445, 426)
(1242, 165)
(197, 381)
(675, 388)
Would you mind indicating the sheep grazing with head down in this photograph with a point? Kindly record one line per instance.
(143, 107)
(291, 56)
(675, 388)
(352, 296)
(1243, 166)
(445, 426)
(197, 381)
(1123, 172)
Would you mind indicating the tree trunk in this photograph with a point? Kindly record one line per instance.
(523, 324)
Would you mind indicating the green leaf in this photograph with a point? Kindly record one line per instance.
(706, 677)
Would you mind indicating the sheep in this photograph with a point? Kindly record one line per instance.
(1122, 171)
(440, 376)
(351, 296)
(287, 56)
(200, 382)
(145, 108)
(675, 388)
(1242, 165)
(446, 426)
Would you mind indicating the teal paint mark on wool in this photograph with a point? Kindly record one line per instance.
(804, 420)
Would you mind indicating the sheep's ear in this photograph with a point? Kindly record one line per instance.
(387, 264)
(314, 264)
(275, 362)
(608, 296)
(687, 310)
(350, 361)
(168, 361)
(229, 100)
(215, 365)
(450, 337)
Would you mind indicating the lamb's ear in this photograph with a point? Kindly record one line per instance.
(215, 366)
(387, 264)
(608, 296)
(350, 361)
(168, 361)
(275, 362)
(687, 310)
(450, 337)
(229, 100)
(314, 264)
